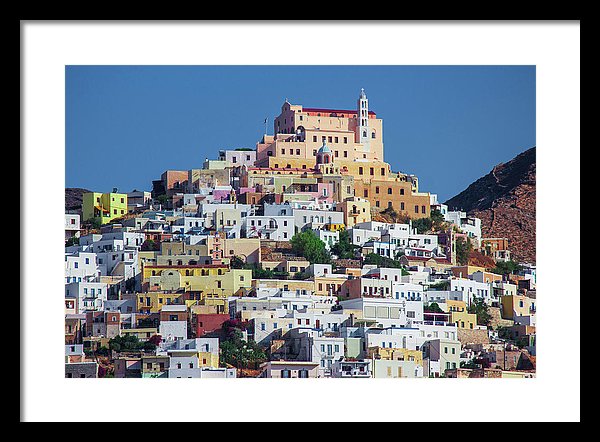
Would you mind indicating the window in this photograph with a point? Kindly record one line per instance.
(366, 193)
(360, 170)
(416, 209)
(401, 206)
(314, 138)
(345, 142)
(401, 191)
(371, 171)
(376, 189)
(286, 373)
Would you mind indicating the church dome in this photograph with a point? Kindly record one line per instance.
(324, 148)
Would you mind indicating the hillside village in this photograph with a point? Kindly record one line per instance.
(305, 256)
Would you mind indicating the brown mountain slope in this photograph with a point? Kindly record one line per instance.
(504, 199)
(73, 198)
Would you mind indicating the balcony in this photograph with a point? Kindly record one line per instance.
(441, 323)
(355, 374)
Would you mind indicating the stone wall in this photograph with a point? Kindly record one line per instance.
(467, 336)
(497, 320)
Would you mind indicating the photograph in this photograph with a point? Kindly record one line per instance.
(300, 222)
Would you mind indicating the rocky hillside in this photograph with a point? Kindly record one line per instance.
(73, 198)
(504, 199)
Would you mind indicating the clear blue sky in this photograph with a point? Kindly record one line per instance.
(449, 125)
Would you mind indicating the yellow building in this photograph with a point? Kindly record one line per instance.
(356, 210)
(103, 206)
(466, 271)
(460, 316)
(211, 284)
(143, 334)
(516, 305)
(400, 354)
(152, 302)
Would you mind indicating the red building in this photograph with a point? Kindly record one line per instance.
(204, 323)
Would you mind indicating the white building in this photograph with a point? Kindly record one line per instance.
(472, 289)
(313, 217)
(393, 337)
(387, 312)
(238, 157)
(81, 266)
(351, 369)
(72, 225)
(138, 199)
(90, 296)
(328, 237)
(408, 291)
(468, 224)
(276, 228)
(173, 329)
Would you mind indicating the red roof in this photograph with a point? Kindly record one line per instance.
(331, 111)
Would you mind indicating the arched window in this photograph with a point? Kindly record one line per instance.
(373, 134)
(364, 133)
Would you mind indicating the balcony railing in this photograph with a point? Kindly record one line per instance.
(355, 373)
(446, 324)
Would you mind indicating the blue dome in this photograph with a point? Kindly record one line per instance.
(324, 149)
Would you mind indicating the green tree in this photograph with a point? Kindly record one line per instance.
(127, 342)
(162, 200)
(506, 267)
(422, 225)
(307, 244)
(481, 309)
(235, 350)
(236, 263)
(301, 275)
(382, 261)
(150, 245)
(442, 285)
(72, 241)
(344, 249)
(463, 250)
(433, 308)
(437, 217)
(258, 272)
(93, 223)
